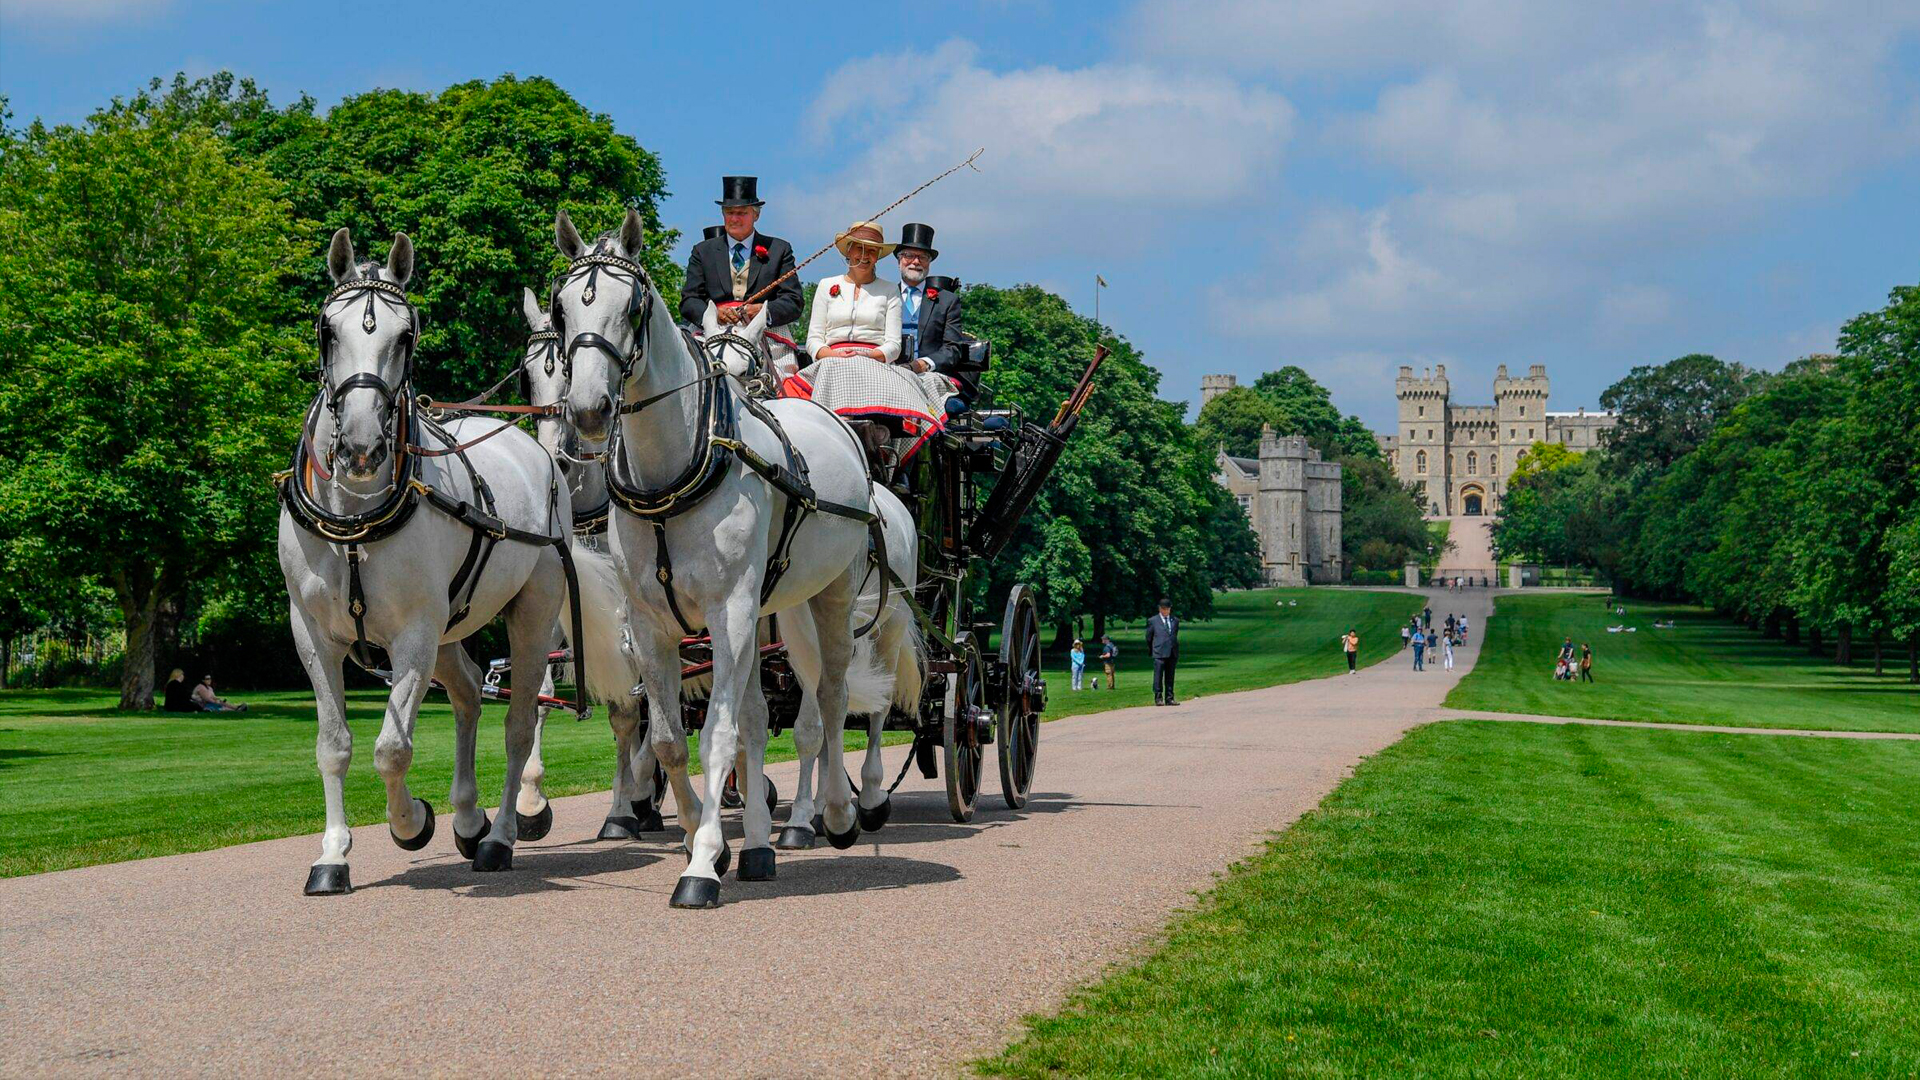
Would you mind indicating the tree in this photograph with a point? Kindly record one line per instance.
(150, 378)
(1235, 550)
(1306, 408)
(1135, 487)
(1233, 421)
(474, 174)
(1381, 526)
(1667, 410)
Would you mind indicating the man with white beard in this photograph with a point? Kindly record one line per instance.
(930, 334)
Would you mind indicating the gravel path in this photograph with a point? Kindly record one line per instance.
(910, 954)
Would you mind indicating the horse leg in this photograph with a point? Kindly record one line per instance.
(659, 665)
(833, 630)
(533, 797)
(333, 750)
(731, 629)
(409, 819)
(622, 821)
(803, 653)
(876, 802)
(461, 676)
(756, 817)
(530, 619)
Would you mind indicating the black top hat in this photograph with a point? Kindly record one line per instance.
(915, 235)
(739, 191)
(949, 284)
(712, 231)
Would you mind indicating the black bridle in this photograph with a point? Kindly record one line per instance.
(393, 397)
(639, 311)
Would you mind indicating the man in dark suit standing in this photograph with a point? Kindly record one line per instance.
(740, 262)
(1163, 644)
(930, 331)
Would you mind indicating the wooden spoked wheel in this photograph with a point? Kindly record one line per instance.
(1017, 720)
(960, 729)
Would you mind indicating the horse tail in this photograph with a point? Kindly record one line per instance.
(869, 682)
(611, 672)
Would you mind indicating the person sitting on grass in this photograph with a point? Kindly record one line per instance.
(208, 701)
(179, 696)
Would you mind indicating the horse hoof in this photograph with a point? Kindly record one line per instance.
(648, 815)
(328, 879)
(426, 831)
(795, 838)
(696, 892)
(469, 846)
(620, 828)
(845, 840)
(756, 864)
(493, 856)
(871, 820)
(537, 826)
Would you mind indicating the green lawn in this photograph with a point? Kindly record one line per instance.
(1704, 671)
(1493, 899)
(85, 784)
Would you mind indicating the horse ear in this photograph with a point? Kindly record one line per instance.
(566, 238)
(757, 327)
(400, 259)
(340, 256)
(633, 236)
(710, 320)
(530, 307)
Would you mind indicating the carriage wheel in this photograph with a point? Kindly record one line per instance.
(1018, 716)
(960, 730)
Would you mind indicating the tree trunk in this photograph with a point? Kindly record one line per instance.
(1877, 670)
(1793, 628)
(1813, 641)
(1063, 635)
(139, 608)
(1913, 659)
(1099, 625)
(1843, 645)
(1770, 629)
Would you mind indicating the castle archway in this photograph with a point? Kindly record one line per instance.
(1473, 500)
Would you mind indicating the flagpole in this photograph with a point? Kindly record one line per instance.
(1098, 284)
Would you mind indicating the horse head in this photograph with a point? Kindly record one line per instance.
(367, 331)
(602, 306)
(543, 380)
(738, 348)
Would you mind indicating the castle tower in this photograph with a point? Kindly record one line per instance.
(1520, 418)
(1283, 508)
(1212, 386)
(1424, 433)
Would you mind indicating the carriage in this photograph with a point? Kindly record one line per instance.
(985, 691)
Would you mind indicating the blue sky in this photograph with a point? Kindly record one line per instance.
(1348, 187)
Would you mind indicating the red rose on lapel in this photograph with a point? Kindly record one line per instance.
(760, 252)
(932, 293)
(834, 291)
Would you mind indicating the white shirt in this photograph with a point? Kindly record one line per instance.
(869, 314)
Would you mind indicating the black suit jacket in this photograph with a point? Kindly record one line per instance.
(710, 278)
(1163, 643)
(939, 342)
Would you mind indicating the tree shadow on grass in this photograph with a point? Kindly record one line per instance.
(9, 755)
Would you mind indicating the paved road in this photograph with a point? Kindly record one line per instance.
(908, 955)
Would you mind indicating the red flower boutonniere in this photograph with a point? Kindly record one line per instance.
(933, 293)
(760, 252)
(834, 291)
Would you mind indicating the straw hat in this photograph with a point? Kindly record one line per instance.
(863, 232)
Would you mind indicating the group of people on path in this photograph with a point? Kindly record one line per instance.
(1420, 635)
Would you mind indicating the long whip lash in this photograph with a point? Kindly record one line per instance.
(775, 283)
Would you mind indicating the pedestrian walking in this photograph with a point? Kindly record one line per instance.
(1419, 650)
(1586, 662)
(1350, 644)
(1163, 644)
(1078, 657)
(1426, 618)
(1446, 657)
(1406, 635)
(1109, 657)
(1463, 629)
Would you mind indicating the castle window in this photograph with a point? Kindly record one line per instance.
(1429, 434)
(1512, 434)
(1473, 463)
(1423, 410)
(1523, 412)
(1420, 462)
(1529, 434)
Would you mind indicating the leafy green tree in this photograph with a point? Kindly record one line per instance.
(1135, 487)
(150, 376)
(1381, 526)
(474, 174)
(1667, 410)
(1233, 421)
(1234, 547)
(1306, 408)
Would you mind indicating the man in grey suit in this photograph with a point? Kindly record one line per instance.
(1163, 644)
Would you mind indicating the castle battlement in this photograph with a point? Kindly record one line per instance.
(1292, 500)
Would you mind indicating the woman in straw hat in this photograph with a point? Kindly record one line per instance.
(853, 337)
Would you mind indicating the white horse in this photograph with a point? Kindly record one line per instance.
(611, 672)
(375, 553)
(706, 538)
(749, 351)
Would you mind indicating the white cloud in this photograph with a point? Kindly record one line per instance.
(1105, 153)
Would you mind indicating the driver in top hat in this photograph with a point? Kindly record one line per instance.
(739, 262)
(930, 314)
